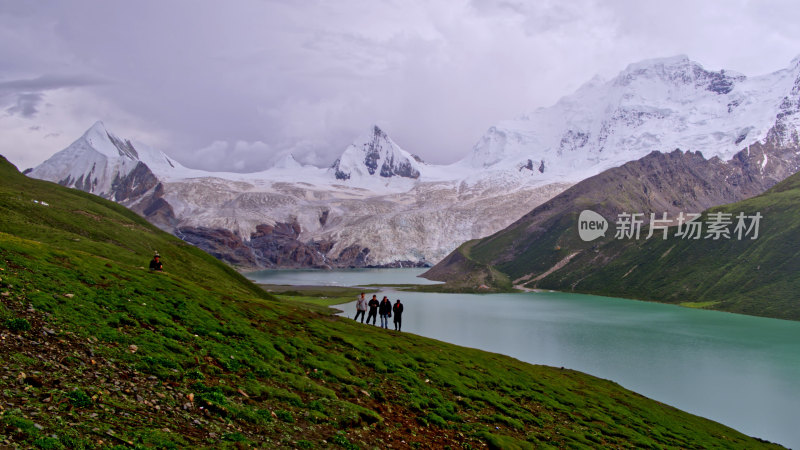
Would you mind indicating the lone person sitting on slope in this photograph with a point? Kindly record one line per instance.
(155, 264)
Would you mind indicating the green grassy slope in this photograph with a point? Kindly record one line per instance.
(757, 277)
(99, 352)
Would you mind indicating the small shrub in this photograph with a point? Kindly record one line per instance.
(285, 416)
(437, 420)
(234, 437)
(316, 405)
(13, 419)
(378, 395)
(212, 398)
(47, 443)
(195, 374)
(18, 324)
(342, 441)
(79, 399)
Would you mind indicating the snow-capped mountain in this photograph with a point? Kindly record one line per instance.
(376, 154)
(101, 163)
(659, 104)
(380, 205)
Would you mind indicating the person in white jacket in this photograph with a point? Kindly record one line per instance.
(361, 307)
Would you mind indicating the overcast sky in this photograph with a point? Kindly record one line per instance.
(235, 85)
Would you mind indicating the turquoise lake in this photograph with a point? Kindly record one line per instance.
(738, 370)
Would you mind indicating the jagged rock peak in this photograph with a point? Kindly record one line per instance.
(375, 154)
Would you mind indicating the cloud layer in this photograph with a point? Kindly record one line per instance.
(236, 86)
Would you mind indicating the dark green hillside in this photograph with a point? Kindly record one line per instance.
(758, 277)
(98, 352)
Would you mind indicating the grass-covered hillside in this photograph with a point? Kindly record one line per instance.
(97, 351)
(757, 277)
(547, 236)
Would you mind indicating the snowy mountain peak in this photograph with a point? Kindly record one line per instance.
(657, 104)
(104, 164)
(375, 154)
(678, 71)
(98, 138)
(668, 62)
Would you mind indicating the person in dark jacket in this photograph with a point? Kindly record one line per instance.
(385, 312)
(397, 309)
(155, 264)
(373, 309)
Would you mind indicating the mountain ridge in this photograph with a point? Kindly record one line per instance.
(227, 214)
(381, 201)
(544, 245)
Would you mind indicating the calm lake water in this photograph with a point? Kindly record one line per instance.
(349, 277)
(739, 370)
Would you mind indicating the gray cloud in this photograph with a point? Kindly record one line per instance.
(25, 95)
(26, 104)
(48, 82)
(237, 86)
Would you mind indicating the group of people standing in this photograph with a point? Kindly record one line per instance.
(384, 309)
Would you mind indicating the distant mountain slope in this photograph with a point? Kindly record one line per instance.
(546, 239)
(757, 277)
(99, 351)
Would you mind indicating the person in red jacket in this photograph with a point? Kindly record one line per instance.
(398, 315)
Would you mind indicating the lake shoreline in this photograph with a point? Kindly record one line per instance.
(690, 358)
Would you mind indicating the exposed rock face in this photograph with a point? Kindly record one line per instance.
(277, 246)
(220, 243)
(152, 206)
(134, 184)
